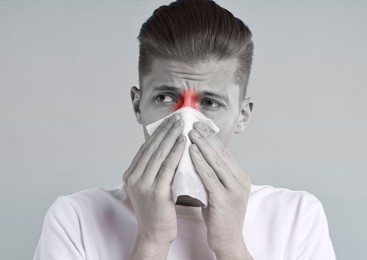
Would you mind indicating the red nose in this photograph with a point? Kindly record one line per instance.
(187, 99)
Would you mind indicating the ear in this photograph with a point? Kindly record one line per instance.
(245, 115)
(135, 95)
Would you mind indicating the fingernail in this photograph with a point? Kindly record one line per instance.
(195, 148)
(200, 126)
(172, 119)
(177, 123)
(195, 133)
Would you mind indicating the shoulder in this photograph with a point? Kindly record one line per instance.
(289, 219)
(266, 194)
(84, 223)
(99, 196)
(88, 202)
(284, 205)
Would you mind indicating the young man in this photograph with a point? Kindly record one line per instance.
(188, 47)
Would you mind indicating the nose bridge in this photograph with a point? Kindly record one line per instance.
(187, 99)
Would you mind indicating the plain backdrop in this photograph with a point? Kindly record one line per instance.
(67, 124)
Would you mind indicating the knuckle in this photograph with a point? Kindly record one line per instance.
(226, 154)
(165, 126)
(208, 133)
(157, 154)
(172, 134)
(142, 188)
(219, 162)
(210, 173)
(149, 147)
(142, 147)
(130, 181)
(165, 166)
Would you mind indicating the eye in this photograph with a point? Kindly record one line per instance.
(210, 104)
(163, 99)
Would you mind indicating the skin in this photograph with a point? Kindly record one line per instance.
(151, 172)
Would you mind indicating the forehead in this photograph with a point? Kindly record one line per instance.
(211, 75)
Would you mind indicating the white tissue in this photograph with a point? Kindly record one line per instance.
(187, 181)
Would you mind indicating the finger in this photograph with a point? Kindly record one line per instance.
(161, 153)
(169, 165)
(132, 166)
(142, 158)
(205, 171)
(213, 159)
(217, 144)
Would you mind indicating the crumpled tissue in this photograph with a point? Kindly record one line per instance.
(186, 180)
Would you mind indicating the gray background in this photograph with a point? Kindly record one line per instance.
(67, 124)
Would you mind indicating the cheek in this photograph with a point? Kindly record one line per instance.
(227, 127)
(150, 113)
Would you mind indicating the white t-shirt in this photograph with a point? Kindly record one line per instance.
(100, 225)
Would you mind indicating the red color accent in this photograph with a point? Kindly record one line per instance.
(187, 99)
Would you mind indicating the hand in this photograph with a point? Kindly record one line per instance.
(148, 182)
(228, 190)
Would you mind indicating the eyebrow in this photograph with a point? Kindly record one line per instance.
(166, 88)
(201, 93)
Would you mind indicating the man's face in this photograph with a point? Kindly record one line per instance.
(218, 97)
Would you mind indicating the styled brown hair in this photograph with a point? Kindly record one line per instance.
(193, 31)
